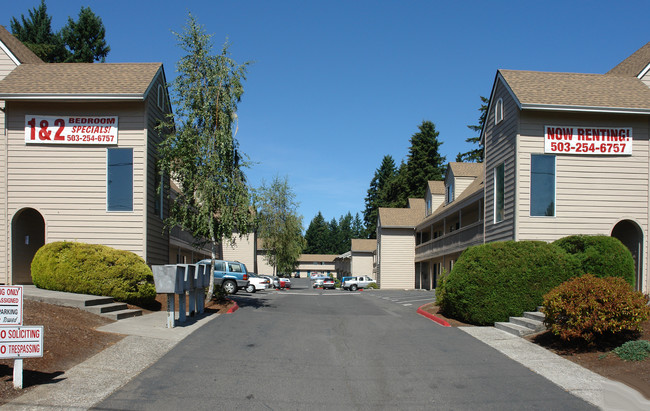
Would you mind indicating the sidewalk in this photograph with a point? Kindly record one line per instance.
(86, 384)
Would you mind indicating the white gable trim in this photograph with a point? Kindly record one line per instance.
(9, 53)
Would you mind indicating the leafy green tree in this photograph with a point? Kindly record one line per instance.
(425, 163)
(317, 236)
(200, 151)
(476, 155)
(280, 225)
(383, 174)
(85, 38)
(36, 33)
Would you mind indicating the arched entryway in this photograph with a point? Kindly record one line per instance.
(27, 236)
(631, 235)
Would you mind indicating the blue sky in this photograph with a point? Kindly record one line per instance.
(336, 85)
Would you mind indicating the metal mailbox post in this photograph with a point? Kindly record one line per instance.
(177, 279)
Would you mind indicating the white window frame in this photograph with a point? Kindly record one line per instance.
(498, 112)
(495, 220)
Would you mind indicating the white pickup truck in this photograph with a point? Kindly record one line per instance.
(354, 283)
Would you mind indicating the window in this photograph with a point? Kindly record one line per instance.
(499, 193)
(158, 193)
(119, 181)
(161, 97)
(542, 185)
(450, 192)
(498, 111)
(428, 205)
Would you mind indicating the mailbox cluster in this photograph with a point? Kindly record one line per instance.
(179, 279)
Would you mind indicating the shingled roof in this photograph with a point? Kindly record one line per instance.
(363, 245)
(114, 81)
(466, 169)
(589, 92)
(17, 49)
(635, 64)
(402, 217)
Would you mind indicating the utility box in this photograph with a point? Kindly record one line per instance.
(168, 279)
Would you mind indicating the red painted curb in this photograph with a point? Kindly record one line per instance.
(233, 308)
(433, 317)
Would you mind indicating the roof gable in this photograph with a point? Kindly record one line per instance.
(634, 65)
(17, 51)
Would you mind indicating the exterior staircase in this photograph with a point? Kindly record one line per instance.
(532, 322)
(104, 306)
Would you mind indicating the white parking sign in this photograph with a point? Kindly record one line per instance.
(11, 305)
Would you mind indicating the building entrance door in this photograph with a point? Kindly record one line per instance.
(631, 236)
(27, 236)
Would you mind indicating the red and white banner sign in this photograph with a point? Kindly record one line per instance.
(11, 305)
(99, 130)
(21, 342)
(588, 140)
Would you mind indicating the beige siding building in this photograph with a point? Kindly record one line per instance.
(396, 245)
(359, 260)
(79, 159)
(565, 153)
(572, 150)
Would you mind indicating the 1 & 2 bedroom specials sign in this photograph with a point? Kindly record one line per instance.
(90, 130)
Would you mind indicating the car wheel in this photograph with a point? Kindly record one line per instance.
(250, 288)
(230, 287)
(353, 287)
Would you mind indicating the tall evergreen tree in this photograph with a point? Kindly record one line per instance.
(476, 155)
(36, 33)
(383, 174)
(317, 236)
(358, 230)
(334, 237)
(425, 162)
(85, 38)
(346, 233)
(396, 192)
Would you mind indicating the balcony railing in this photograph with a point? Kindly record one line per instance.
(453, 242)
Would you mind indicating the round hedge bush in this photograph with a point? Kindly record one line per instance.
(589, 308)
(93, 269)
(600, 255)
(491, 282)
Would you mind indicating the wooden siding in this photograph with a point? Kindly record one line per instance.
(646, 78)
(67, 184)
(242, 250)
(397, 264)
(6, 66)
(361, 264)
(593, 193)
(500, 143)
(262, 266)
(157, 239)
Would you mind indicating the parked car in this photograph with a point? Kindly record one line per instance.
(344, 279)
(318, 280)
(285, 282)
(275, 282)
(355, 283)
(328, 283)
(229, 275)
(257, 282)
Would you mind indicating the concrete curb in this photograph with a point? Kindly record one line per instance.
(432, 317)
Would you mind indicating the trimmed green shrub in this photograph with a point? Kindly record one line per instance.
(600, 255)
(93, 269)
(494, 281)
(374, 286)
(590, 308)
(637, 350)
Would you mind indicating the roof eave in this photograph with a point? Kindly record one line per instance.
(71, 97)
(588, 109)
